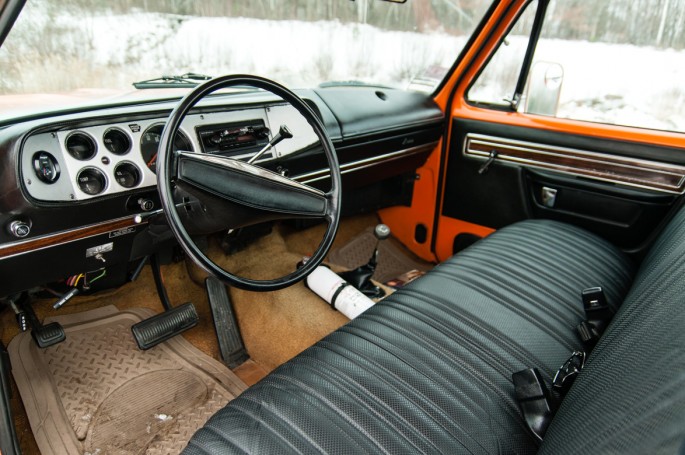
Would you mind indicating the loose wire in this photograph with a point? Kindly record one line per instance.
(78, 279)
(104, 272)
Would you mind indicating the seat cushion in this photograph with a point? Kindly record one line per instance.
(630, 397)
(429, 368)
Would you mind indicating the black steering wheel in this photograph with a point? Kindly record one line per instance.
(252, 193)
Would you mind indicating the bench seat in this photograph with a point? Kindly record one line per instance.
(428, 369)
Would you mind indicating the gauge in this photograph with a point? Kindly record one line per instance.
(46, 167)
(127, 174)
(91, 181)
(117, 141)
(81, 146)
(149, 144)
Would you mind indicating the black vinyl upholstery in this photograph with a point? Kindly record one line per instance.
(630, 397)
(428, 369)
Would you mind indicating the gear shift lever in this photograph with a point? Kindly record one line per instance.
(360, 277)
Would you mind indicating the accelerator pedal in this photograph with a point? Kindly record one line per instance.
(231, 344)
(160, 327)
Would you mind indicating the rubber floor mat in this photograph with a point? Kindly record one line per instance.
(97, 393)
(394, 259)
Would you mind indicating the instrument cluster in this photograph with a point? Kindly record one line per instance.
(94, 161)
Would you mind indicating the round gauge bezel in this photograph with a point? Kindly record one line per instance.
(135, 166)
(36, 166)
(98, 170)
(115, 129)
(146, 131)
(88, 136)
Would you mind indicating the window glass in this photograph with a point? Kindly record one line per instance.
(616, 61)
(98, 46)
(623, 61)
(497, 83)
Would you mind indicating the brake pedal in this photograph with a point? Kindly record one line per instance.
(49, 334)
(152, 331)
(231, 344)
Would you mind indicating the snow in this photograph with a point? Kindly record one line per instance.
(611, 83)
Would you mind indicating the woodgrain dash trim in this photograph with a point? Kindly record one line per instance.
(653, 175)
(72, 235)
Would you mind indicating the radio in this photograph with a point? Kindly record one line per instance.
(231, 139)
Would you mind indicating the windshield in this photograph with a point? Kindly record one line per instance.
(92, 48)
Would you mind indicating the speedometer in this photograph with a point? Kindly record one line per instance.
(149, 144)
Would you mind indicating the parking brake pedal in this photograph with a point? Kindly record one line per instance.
(44, 335)
(230, 342)
(161, 327)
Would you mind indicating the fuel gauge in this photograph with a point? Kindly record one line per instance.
(46, 167)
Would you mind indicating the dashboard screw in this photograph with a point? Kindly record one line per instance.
(28, 181)
(71, 196)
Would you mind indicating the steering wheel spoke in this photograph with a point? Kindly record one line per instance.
(246, 184)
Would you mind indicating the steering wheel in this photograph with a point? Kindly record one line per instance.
(252, 193)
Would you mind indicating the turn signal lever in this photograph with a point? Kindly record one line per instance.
(360, 277)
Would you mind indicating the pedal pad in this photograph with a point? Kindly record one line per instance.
(161, 327)
(48, 335)
(230, 342)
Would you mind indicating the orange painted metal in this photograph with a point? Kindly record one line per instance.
(505, 14)
(403, 220)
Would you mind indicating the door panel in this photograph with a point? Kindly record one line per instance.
(619, 190)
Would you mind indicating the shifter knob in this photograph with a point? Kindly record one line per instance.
(382, 231)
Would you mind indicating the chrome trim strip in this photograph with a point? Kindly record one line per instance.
(353, 166)
(602, 159)
(136, 220)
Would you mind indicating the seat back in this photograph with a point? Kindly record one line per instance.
(630, 397)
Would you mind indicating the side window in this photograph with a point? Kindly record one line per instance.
(497, 82)
(617, 61)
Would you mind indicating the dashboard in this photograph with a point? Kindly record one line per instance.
(89, 162)
(78, 188)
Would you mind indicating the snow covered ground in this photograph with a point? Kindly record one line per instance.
(611, 83)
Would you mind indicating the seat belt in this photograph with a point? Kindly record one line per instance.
(537, 404)
(598, 314)
(534, 400)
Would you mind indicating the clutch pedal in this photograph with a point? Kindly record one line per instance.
(152, 331)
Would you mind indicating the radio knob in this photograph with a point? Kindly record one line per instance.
(20, 229)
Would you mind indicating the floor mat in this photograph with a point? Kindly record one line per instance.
(97, 393)
(394, 260)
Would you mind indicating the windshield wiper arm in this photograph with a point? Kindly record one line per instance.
(182, 81)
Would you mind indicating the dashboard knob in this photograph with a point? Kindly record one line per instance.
(19, 229)
(146, 204)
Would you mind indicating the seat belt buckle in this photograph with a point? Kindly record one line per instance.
(597, 310)
(588, 334)
(534, 400)
(568, 372)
